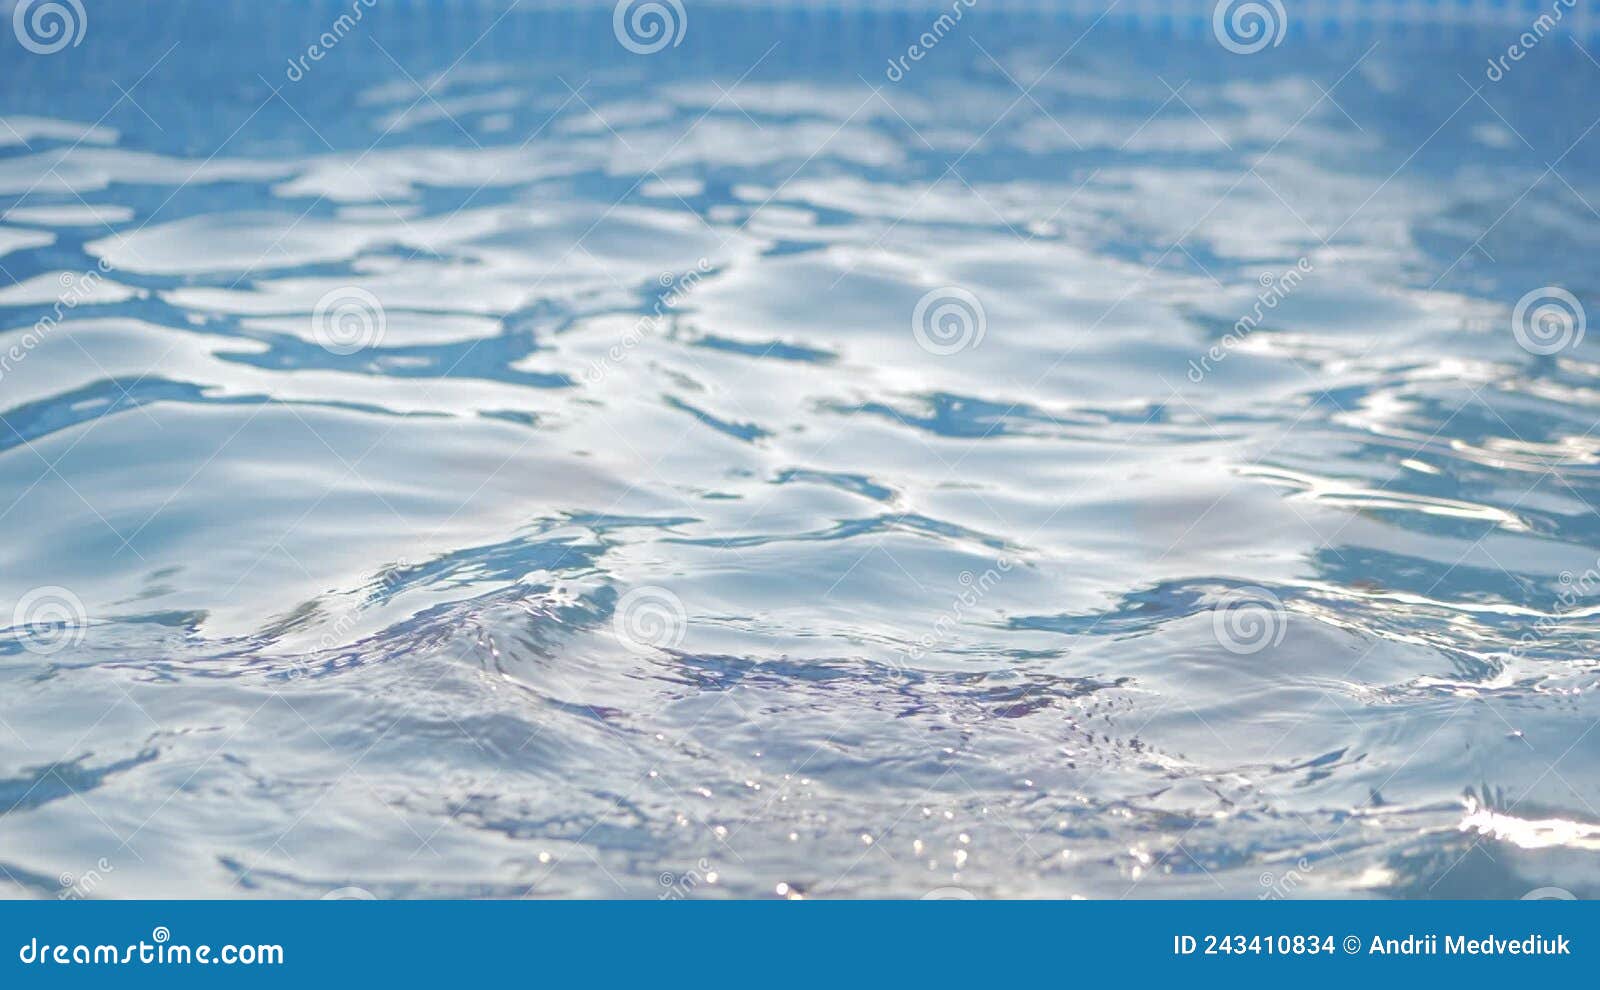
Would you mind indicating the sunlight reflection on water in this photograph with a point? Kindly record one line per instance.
(497, 463)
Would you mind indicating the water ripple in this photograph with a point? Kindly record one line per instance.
(600, 468)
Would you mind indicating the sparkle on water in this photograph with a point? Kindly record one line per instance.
(497, 463)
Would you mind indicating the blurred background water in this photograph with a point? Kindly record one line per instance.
(518, 451)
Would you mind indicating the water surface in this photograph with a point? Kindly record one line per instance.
(497, 463)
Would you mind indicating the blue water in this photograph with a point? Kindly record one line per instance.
(497, 463)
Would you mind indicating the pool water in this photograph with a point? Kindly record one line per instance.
(517, 451)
